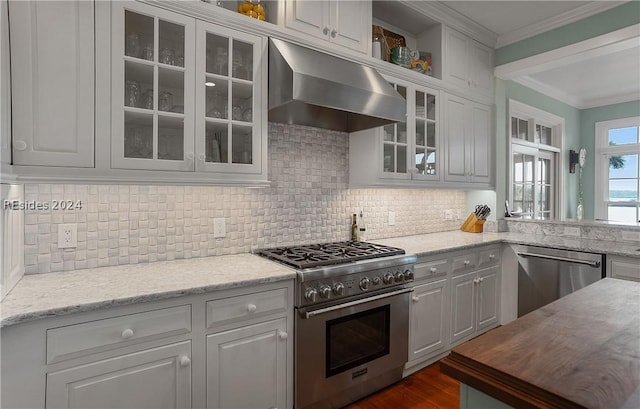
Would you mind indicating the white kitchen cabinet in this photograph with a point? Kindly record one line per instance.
(468, 143)
(474, 303)
(52, 78)
(428, 316)
(346, 23)
(468, 64)
(247, 367)
(187, 95)
(625, 268)
(153, 378)
(404, 153)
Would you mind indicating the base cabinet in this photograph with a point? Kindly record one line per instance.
(428, 320)
(246, 367)
(153, 378)
(474, 303)
(624, 268)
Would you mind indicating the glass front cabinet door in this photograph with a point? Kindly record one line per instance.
(187, 95)
(229, 100)
(153, 64)
(410, 149)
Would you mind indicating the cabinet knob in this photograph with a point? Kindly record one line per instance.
(19, 145)
(466, 262)
(201, 157)
(190, 156)
(127, 333)
(325, 30)
(475, 281)
(334, 33)
(251, 308)
(185, 361)
(415, 298)
(283, 335)
(492, 256)
(433, 269)
(480, 279)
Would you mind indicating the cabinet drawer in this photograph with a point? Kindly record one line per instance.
(625, 268)
(246, 306)
(464, 262)
(431, 269)
(488, 257)
(95, 336)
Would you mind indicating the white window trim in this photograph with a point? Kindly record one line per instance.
(536, 115)
(603, 149)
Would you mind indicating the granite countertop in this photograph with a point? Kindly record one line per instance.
(434, 243)
(53, 294)
(39, 296)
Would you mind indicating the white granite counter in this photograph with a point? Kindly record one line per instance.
(43, 295)
(53, 294)
(433, 243)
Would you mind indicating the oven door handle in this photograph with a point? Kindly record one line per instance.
(308, 314)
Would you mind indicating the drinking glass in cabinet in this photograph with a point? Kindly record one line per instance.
(247, 115)
(217, 103)
(242, 60)
(389, 132)
(167, 56)
(170, 138)
(132, 45)
(241, 144)
(138, 141)
(132, 93)
(165, 101)
(236, 113)
(171, 43)
(217, 58)
(216, 138)
(147, 99)
(147, 52)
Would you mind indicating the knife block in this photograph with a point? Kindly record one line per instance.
(472, 224)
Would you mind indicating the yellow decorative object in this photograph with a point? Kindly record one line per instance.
(252, 9)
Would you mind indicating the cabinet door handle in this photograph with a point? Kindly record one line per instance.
(415, 298)
(433, 269)
(325, 30)
(492, 256)
(20, 145)
(481, 279)
(185, 361)
(283, 335)
(127, 333)
(466, 262)
(251, 308)
(476, 281)
(334, 33)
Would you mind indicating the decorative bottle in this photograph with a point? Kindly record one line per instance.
(354, 228)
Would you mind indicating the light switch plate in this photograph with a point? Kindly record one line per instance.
(219, 228)
(67, 235)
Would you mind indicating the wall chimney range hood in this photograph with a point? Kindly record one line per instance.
(308, 87)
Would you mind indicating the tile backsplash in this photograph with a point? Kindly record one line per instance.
(309, 201)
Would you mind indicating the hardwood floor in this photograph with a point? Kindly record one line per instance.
(425, 389)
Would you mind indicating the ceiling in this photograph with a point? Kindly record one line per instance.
(609, 75)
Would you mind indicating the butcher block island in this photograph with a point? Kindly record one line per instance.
(581, 351)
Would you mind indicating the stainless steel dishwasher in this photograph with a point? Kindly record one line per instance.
(546, 274)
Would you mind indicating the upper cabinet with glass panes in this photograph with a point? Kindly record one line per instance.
(406, 153)
(186, 95)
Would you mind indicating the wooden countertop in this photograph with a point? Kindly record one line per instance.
(581, 351)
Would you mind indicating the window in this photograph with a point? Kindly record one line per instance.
(536, 139)
(617, 170)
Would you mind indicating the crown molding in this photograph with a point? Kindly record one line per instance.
(453, 19)
(575, 102)
(560, 20)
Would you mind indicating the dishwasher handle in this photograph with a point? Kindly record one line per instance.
(590, 263)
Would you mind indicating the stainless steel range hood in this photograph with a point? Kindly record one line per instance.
(307, 87)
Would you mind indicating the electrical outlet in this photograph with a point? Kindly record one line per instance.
(392, 218)
(219, 228)
(67, 235)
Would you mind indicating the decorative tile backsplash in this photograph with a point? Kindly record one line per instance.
(308, 201)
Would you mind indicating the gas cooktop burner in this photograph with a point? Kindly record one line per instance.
(317, 255)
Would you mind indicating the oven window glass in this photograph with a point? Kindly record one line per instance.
(356, 339)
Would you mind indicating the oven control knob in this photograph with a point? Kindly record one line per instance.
(388, 278)
(311, 294)
(376, 280)
(408, 275)
(338, 289)
(399, 277)
(325, 291)
(364, 283)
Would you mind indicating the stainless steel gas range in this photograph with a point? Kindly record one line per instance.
(352, 319)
